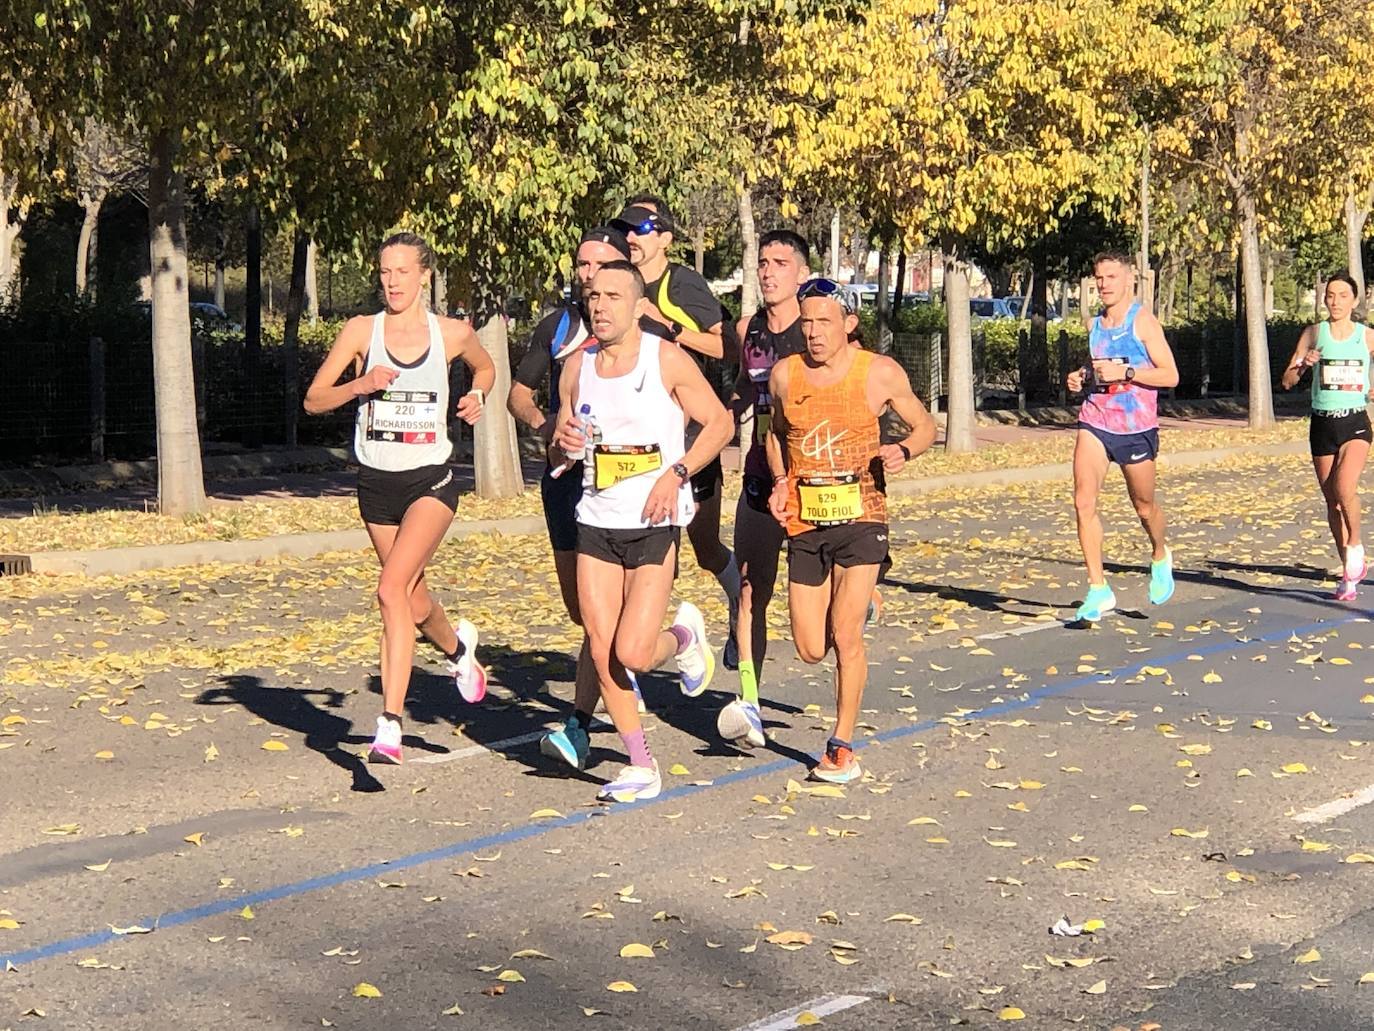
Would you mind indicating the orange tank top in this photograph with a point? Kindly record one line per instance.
(833, 470)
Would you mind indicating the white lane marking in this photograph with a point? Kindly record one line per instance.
(785, 1020)
(1337, 807)
(494, 746)
(1021, 631)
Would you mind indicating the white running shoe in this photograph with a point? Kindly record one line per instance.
(468, 674)
(386, 746)
(696, 664)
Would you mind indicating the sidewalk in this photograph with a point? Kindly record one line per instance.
(141, 495)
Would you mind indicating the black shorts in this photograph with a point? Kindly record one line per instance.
(755, 492)
(1127, 448)
(813, 555)
(1327, 433)
(384, 497)
(628, 548)
(707, 483)
(560, 499)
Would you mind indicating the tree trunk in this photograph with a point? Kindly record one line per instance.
(220, 261)
(1147, 292)
(884, 342)
(699, 247)
(1035, 377)
(9, 232)
(312, 285)
(959, 420)
(1356, 214)
(749, 293)
(899, 284)
(1256, 331)
(858, 254)
(835, 246)
(252, 329)
(1268, 283)
(86, 242)
(496, 459)
(180, 481)
(439, 299)
(290, 337)
(1086, 286)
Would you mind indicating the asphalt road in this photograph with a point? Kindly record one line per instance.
(1192, 776)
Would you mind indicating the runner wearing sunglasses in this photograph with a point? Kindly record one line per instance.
(681, 307)
(829, 477)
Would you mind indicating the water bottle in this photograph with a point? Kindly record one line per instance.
(591, 433)
(584, 416)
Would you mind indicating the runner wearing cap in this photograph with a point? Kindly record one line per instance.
(558, 335)
(681, 307)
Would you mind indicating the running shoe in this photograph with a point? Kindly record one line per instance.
(633, 784)
(386, 746)
(875, 609)
(1353, 571)
(1347, 590)
(837, 766)
(1162, 579)
(730, 656)
(571, 743)
(468, 674)
(696, 664)
(1098, 603)
(741, 721)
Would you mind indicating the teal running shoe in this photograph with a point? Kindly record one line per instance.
(1099, 602)
(572, 744)
(1162, 579)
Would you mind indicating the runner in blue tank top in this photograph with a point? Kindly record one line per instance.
(1339, 349)
(1119, 422)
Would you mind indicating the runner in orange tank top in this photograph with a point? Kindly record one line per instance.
(828, 464)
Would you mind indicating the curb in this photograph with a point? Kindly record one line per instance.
(109, 474)
(117, 561)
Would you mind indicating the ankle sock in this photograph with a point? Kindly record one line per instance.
(637, 748)
(392, 717)
(835, 744)
(748, 682)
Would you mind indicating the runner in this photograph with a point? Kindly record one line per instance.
(632, 393)
(407, 491)
(1119, 422)
(1340, 431)
(771, 334)
(559, 334)
(681, 307)
(829, 477)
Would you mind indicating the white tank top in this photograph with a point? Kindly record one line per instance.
(641, 429)
(405, 426)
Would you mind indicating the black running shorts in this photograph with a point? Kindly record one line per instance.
(384, 496)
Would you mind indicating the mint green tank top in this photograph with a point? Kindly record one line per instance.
(1340, 380)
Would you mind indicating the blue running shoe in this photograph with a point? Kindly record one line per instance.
(1162, 579)
(1098, 603)
(572, 744)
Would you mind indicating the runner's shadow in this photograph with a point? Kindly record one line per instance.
(988, 601)
(292, 709)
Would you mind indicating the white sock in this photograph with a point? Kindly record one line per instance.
(728, 578)
(1354, 560)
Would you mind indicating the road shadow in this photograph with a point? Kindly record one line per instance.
(299, 709)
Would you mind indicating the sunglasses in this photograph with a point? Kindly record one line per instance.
(649, 225)
(821, 287)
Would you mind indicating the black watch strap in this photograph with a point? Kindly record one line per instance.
(906, 451)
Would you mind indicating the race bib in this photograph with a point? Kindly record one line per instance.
(403, 417)
(1342, 374)
(617, 462)
(829, 501)
(763, 418)
(1112, 388)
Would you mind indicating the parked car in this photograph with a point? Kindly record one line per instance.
(1018, 304)
(205, 317)
(991, 308)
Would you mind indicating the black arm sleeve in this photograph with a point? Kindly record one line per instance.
(533, 370)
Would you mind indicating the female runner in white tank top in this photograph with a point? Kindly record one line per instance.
(407, 491)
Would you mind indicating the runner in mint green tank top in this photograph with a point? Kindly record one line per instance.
(1338, 353)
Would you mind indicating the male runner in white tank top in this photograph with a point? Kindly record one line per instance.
(622, 402)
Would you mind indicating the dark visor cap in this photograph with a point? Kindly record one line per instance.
(608, 235)
(636, 219)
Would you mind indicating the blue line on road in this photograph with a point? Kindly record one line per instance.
(176, 918)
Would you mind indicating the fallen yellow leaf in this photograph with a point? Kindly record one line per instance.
(635, 950)
(363, 990)
(273, 745)
(197, 839)
(621, 986)
(1011, 1013)
(1310, 956)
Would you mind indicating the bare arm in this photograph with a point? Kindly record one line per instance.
(780, 498)
(891, 387)
(1165, 371)
(350, 346)
(460, 342)
(689, 388)
(568, 430)
(1299, 364)
(710, 342)
(520, 404)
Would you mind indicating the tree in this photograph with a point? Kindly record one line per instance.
(1256, 82)
(107, 161)
(960, 126)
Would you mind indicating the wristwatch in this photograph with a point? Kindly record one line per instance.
(1130, 373)
(906, 451)
(675, 330)
(681, 470)
(481, 395)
